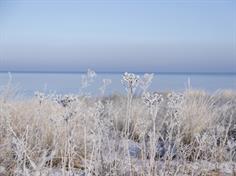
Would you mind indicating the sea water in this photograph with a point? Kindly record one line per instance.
(64, 83)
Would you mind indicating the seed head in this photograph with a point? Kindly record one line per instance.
(152, 99)
(130, 81)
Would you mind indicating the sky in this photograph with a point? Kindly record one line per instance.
(118, 35)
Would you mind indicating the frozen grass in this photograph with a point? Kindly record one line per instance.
(189, 133)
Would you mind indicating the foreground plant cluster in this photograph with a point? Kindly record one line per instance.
(188, 133)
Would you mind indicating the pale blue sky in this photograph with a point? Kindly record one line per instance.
(118, 35)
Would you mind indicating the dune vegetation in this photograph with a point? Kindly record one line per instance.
(152, 133)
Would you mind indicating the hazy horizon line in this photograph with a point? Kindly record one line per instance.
(113, 72)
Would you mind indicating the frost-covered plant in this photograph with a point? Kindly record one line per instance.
(105, 83)
(175, 103)
(152, 99)
(130, 81)
(175, 99)
(145, 81)
(231, 144)
(65, 100)
(99, 107)
(88, 78)
(40, 96)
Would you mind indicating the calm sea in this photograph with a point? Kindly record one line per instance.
(63, 83)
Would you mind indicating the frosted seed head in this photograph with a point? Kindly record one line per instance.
(130, 81)
(175, 99)
(152, 99)
(146, 81)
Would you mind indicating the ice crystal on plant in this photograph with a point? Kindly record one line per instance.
(130, 81)
(175, 99)
(65, 100)
(152, 99)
